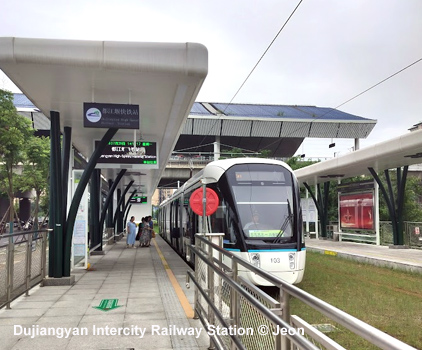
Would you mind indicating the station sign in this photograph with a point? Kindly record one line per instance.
(142, 156)
(110, 115)
(138, 200)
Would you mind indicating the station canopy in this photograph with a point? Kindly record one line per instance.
(404, 150)
(279, 129)
(61, 75)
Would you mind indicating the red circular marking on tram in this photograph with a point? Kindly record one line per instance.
(212, 201)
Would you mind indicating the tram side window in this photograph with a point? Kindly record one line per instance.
(187, 231)
(229, 228)
(175, 231)
(217, 221)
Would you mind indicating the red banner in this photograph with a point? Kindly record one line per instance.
(357, 211)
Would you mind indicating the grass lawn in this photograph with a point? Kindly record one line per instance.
(387, 299)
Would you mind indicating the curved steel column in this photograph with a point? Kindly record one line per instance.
(119, 203)
(94, 205)
(78, 195)
(109, 198)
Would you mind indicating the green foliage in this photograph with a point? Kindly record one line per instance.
(412, 210)
(15, 131)
(236, 152)
(36, 170)
(36, 166)
(297, 162)
(265, 153)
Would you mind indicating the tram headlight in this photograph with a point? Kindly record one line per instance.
(255, 259)
(292, 261)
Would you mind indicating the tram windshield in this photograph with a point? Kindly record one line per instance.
(264, 198)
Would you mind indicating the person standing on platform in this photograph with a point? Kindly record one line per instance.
(150, 223)
(145, 239)
(131, 233)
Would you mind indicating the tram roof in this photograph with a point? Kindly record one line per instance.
(400, 151)
(60, 75)
(214, 170)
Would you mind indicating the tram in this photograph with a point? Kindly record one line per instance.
(259, 213)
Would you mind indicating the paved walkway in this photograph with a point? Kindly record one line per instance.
(402, 259)
(149, 284)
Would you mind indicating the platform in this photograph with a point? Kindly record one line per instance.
(149, 285)
(400, 259)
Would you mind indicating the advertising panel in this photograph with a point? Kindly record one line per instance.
(80, 230)
(357, 211)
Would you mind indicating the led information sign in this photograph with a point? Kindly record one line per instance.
(110, 115)
(138, 200)
(123, 152)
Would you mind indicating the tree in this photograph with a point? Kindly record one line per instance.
(36, 170)
(15, 130)
(265, 153)
(297, 162)
(412, 210)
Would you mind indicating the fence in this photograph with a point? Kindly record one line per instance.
(23, 262)
(412, 233)
(238, 315)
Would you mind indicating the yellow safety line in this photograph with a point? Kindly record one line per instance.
(180, 294)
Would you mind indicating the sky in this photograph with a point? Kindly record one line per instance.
(328, 52)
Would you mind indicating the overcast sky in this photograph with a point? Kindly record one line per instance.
(330, 51)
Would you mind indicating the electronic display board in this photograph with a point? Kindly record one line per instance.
(143, 156)
(138, 200)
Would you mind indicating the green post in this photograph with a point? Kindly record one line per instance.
(56, 201)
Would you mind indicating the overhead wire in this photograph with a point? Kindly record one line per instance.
(262, 56)
(253, 69)
(347, 101)
(382, 81)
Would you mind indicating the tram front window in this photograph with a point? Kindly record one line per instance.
(263, 197)
(265, 210)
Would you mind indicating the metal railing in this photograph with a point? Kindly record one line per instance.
(23, 261)
(412, 233)
(224, 300)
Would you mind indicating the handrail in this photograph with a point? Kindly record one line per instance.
(297, 338)
(215, 310)
(366, 331)
(33, 274)
(20, 233)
